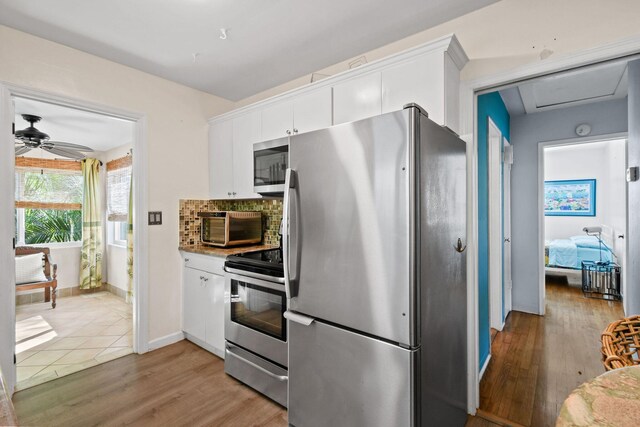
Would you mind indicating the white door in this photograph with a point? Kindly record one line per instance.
(506, 225)
(277, 121)
(221, 160)
(419, 81)
(357, 98)
(214, 326)
(194, 303)
(7, 233)
(246, 131)
(312, 111)
(494, 140)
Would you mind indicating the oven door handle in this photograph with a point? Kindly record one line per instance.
(289, 184)
(254, 275)
(255, 365)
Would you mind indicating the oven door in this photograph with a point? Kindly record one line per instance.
(254, 316)
(270, 162)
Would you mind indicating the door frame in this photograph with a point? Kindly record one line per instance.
(140, 196)
(541, 223)
(469, 92)
(495, 194)
(506, 201)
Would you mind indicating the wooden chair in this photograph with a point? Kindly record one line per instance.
(621, 343)
(51, 284)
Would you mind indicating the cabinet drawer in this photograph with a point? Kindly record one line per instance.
(208, 263)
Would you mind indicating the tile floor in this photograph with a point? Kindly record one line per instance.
(82, 331)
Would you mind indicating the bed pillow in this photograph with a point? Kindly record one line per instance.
(586, 242)
(29, 269)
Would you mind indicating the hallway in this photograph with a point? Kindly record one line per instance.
(538, 360)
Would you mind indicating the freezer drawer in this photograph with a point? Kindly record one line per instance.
(341, 378)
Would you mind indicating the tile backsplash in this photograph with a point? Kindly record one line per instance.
(190, 223)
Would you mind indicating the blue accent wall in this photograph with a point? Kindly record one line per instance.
(489, 105)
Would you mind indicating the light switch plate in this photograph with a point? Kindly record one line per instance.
(155, 218)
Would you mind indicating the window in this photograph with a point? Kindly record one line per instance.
(118, 187)
(48, 205)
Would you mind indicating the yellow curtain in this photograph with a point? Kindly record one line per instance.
(130, 244)
(92, 247)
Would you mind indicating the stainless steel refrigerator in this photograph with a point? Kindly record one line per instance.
(375, 268)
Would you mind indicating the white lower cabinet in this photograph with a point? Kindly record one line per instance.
(203, 302)
(214, 318)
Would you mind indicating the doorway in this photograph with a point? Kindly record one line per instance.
(8, 95)
(531, 347)
(583, 217)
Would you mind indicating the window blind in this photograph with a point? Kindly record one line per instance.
(118, 184)
(39, 188)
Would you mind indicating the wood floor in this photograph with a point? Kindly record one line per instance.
(536, 361)
(177, 385)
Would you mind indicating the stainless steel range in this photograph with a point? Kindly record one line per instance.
(256, 350)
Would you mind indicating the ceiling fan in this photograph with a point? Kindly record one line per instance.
(31, 138)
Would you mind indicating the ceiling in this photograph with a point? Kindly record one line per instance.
(269, 41)
(601, 82)
(100, 132)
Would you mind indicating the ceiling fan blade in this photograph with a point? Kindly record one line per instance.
(61, 144)
(64, 152)
(20, 150)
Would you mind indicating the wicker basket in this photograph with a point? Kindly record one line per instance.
(621, 343)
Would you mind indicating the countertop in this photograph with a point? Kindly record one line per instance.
(223, 252)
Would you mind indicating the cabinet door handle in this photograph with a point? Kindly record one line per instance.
(228, 193)
(295, 130)
(206, 279)
(186, 260)
(234, 193)
(288, 132)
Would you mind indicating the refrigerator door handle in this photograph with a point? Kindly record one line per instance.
(298, 318)
(289, 183)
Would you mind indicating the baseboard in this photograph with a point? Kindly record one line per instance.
(166, 340)
(529, 310)
(211, 349)
(484, 367)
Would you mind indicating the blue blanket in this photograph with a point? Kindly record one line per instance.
(570, 253)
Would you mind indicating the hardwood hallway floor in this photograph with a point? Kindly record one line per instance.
(536, 361)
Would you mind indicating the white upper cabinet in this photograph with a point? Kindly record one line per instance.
(231, 156)
(306, 112)
(428, 75)
(431, 81)
(357, 98)
(312, 111)
(277, 120)
(246, 132)
(221, 159)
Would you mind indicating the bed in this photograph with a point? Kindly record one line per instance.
(569, 253)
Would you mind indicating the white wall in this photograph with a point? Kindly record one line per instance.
(527, 131)
(177, 142)
(509, 34)
(584, 161)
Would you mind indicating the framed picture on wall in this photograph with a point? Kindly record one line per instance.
(570, 197)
